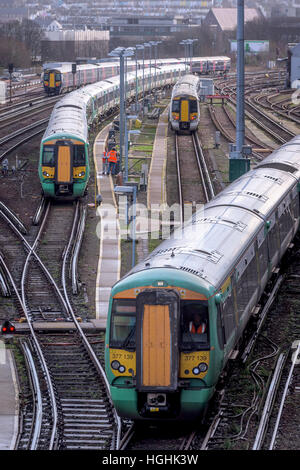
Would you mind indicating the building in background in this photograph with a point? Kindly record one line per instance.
(67, 45)
(225, 19)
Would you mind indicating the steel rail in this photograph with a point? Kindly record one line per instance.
(269, 403)
(13, 217)
(294, 361)
(32, 252)
(11, 149)
(4, 287)
(179, 179)
(53, 436)
(37, 398)
(209, 190)
(11, 136)
(76, 250)
(87, 345)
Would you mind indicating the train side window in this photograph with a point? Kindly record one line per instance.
(285, 223)
(263, 258)
(123, 323)
(194, 323)
(273, 241)
(220, 328)
(79, 155)
(228, 316)
(49, 155)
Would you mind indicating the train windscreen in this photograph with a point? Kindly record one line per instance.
(49, 155)
(79, 155)
(123, 323)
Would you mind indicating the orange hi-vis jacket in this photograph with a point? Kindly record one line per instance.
(105, 157)
(200, 329)
(112, 156)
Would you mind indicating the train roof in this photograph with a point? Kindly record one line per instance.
(285, 158)
(211, 244)
(69, 118)
(187, 85)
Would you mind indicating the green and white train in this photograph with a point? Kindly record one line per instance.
(64, 163)
(216, 266)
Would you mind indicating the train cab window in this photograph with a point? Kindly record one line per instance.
(57, 77)
(123, 322)
(193, 106)
(79, 155)
(46, 76)
(194, 325)
(49, 155)
(176, 106)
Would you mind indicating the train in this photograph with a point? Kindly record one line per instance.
(184, 110)
(58, 78)
(211, 65)
(213, 272)
(64, 162)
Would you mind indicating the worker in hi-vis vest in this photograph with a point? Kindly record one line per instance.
(112, 160)
(197, 325)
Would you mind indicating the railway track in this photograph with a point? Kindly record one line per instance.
(19, 137)
(191, 168)
(225, 123)
(273, 128)
(69, 386)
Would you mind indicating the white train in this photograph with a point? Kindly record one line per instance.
(58, 78)
(184, 111)
(64, 162)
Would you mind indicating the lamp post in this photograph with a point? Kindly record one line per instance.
(191, 44)
(238, 163)
(184, 43)
(122, 53)
(147, 44)
(140, 47)
(155, 44)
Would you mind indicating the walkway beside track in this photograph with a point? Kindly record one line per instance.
(109, 266)
(9, 403)
(157, 193)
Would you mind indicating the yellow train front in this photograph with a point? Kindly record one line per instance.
(157, 368)
(52, 81)
(184, 114)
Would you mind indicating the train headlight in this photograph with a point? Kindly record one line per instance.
(46, 174)
(115, 365)
(81, 174)
(196, 371)
(122, 369)
(203, 367)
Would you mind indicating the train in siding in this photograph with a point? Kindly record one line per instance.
(211, 65)
(58, 78)
(64, 163)
(184, 111)
(216, 266)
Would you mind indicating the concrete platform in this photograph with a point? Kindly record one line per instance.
(157, 173)
(9, 402)
(109, 266)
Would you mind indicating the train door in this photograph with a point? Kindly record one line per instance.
(52, 80)
(157, 340)
(184, 111)
(64, 163)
